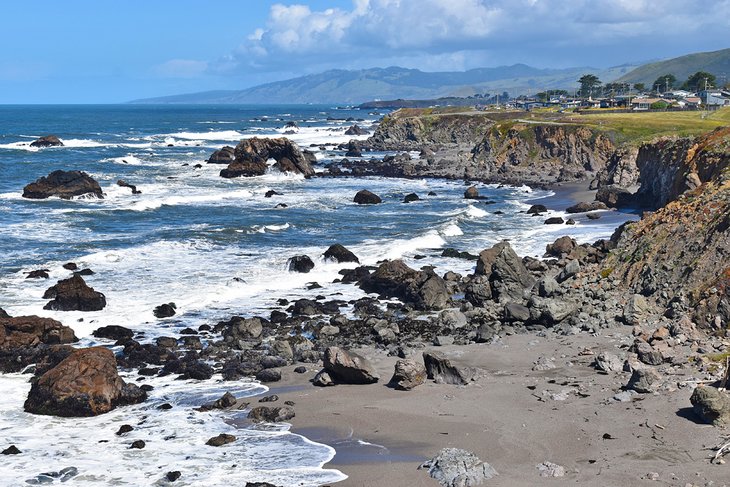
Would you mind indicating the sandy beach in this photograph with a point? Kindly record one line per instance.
(512, 417)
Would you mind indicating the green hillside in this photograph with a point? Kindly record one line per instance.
(715, 62)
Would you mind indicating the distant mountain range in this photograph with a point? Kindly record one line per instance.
(715, 62)
(341, 86)
(354, 87)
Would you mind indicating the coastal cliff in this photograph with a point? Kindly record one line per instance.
(678, 255)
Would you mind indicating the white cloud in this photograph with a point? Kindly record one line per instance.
(455, 34)
(181, 68)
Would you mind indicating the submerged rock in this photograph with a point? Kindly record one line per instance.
(64, 184)
(47, 141)
(86, 383)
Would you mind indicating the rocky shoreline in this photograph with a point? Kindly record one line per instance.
(594, 354)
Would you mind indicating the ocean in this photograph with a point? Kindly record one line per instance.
(216, 248)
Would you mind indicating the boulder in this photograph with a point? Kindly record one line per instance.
(349, 367)
(711, 405)
(571, 269)
(608, 362)
(340, 254)
(73, 294)
(224, 155)
(453, 467)
(410, 198)
(356, 130)
(113, 332)
(252, 156)
(537, 209)
(38, 274)
(365, 197)
(554, 220)
(408, 374)
(615, 197)
(269, 375)
(220, 440)
(561, 247)
(478, 291)
(586, 207)
(165, 310)
(549, 311)
(300, 263)
(30, 331)
(47, 141)
(472, 193)
(507, 275)
(64, 184)
(85, 383)
(239, 328)
(268, 414)
(636, 310)
(440, 370)
(548, 287)
(644, 380)
(516, 312)
(424, 289)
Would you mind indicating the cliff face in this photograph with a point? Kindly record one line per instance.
(551, 152)
(680, 254)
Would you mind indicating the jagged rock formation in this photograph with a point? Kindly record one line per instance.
(252, 156)
(64, 184)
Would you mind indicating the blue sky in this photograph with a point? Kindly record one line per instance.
(79, 51)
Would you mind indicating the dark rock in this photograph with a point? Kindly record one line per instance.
(64, 184)
(644, 380)
(340, 254)
(593, 216)
(70, 266)
(38, 274)
(113, 332)
(73, 294)
(408, 374)
(85, 272)
(137, 445)
(220, 440)
(571, 269)
(227, 400)
(449, 252)
(516, 312)
(537, 209)
(124, 429)
(300, 370)
(440, 369)
(47, 141)
(424, 289)
(353, 149)
(173, 476)
(271, 414)
(646, 353)
(365, 197)
(270, 398)
(271, 193)
(251, 156)
(11, 450)
(349, 367)
(165, 310)
(166, 342)
(711, 405)
(356, 130)
(570, 221)
(238, 328)
(86, 383)
(409, 198)
(269, 375)
(300, 263)
(586, 207)
(472, 193)
(615, 197)
(555, 220)
(323, 379)
(122, 183)
(224, 155)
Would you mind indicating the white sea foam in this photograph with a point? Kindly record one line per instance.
(227, 135)
(175, 441)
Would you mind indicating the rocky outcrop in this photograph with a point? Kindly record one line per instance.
(252, 156)
(507, 275)
(356, 130)
(64, 184)
(347, 367)
(47, 141)
(423, 289)
(454, 467)
(28, 339)
(677, 255)
(73, 294)
(339, 253)
(224, 155)
(86, 383)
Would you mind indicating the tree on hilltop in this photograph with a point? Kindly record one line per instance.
(588, 83)
(639, 87)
